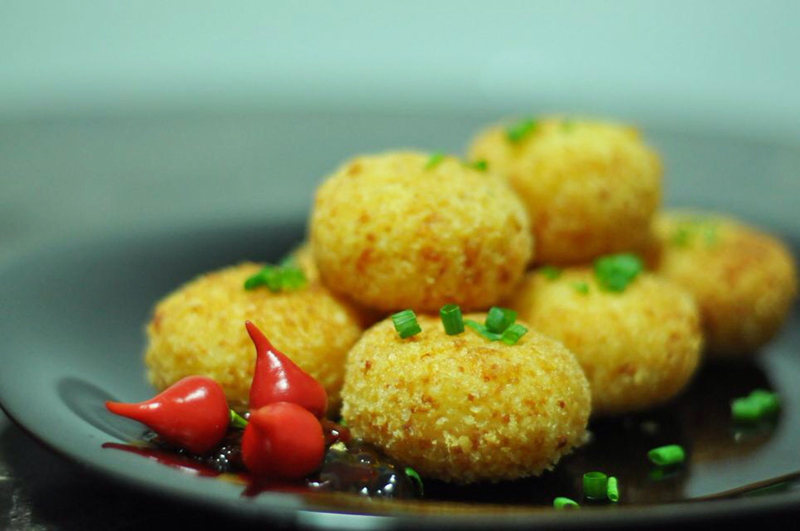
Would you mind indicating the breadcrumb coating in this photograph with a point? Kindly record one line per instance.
(199, 329)
(590, 187)
(463, 409)
(392, 234)
(744, 281)
(638, 348)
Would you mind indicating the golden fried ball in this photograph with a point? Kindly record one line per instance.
(590, 188)
(463, 409)
(392, 233)
(744, 281)
(638, 347)
(199, 329)
(303, 256)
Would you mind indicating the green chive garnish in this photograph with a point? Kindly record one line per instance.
(480, 165)
(284, 277)
(613, 489)
(414, 477)
(406, 324)
(580, 287)
(745, 410)
(511, 335)
(614, 272)
(236, 420)
(498, 319)
(451, 319)
(481, 330)
(671, 454)
(768, 401)
(520, 130)
(757, 405)
(565, 503)
(550, 272)
(595, 485)
(434, 160)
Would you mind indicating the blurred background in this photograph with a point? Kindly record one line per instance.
(119, 115)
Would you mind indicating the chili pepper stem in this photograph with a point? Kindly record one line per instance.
(237, 421)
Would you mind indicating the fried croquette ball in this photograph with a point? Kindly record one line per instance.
(303, 257)
(744, 281)
(590, 188)
(638, 347)
(199, 329)
(464, 409)
(392, 232)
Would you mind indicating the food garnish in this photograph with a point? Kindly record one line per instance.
(614, 272)
(282, 440)
(758, 405)
(551, 272)
(498, 319)
(520, 130)
(671, 454)
(451, 319)
(285, 276)
(276, 378)
(580, 287)
(565, 503)
(192, 413)
(511, 335)
(613, 490)
(412, 474)
(595, 486)
(406, 324)
(480, 165)
(434, 160)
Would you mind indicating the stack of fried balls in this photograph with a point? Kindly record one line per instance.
(555, 219)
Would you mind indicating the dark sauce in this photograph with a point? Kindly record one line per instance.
(699, 420)
(349, 466)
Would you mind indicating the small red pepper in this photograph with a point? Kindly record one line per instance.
(192, 413)
(282, 440)
(276, 378)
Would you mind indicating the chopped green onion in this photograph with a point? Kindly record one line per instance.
(480, 165)
(565, 503)
(236, 420)
(613, 489)
(580, 287)
(277, 278)
(671, 454)
(614, 272)
(414, 477)
(595, 485)
(769, 401)
(511, 335)
(451, 319)
(482, 330)
(406, 324)
(520, 130)
(759, 404)
(550, 272)
(745, 410)
(498, 319)
(434, 160)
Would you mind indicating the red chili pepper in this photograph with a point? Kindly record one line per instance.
(277, 379)
(282, 440)
(192, 413)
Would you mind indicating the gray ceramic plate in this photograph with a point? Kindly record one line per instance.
(71, 337)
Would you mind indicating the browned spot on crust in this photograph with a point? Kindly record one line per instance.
(561, 404)
(429, 254)
(367, 365)
(470, 397)
(354, 169)
(561, 442)
(363, 218)
(363, 260)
